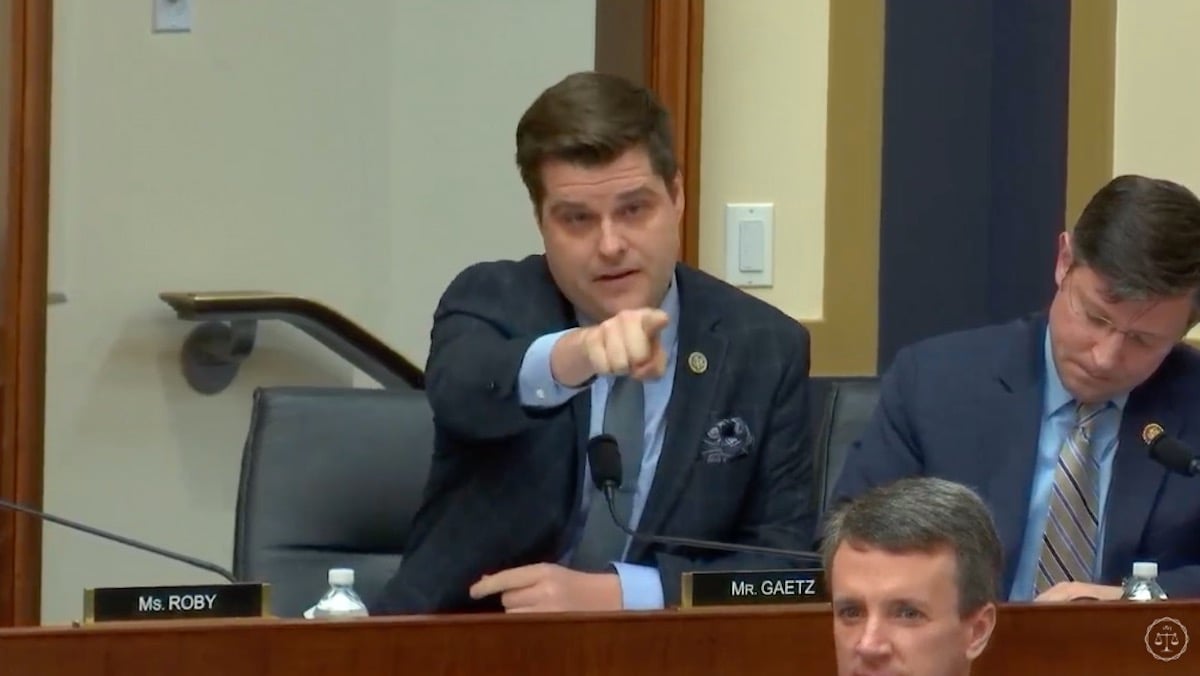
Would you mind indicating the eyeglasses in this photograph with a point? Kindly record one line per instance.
(1103, 327)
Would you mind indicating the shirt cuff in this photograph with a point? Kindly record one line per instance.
(535, 383)
(641, 587)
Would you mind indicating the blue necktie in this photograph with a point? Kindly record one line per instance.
(1069, 543)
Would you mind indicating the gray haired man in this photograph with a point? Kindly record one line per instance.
(913, 568)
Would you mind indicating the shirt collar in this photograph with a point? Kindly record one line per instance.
(670, 305)
(1056, 395)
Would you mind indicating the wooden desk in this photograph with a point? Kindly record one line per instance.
(1092, 639)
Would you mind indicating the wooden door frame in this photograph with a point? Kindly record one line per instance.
(674, 63)
(660, 43)
(23, 331)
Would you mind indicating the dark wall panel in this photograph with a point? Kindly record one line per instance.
(974, 163)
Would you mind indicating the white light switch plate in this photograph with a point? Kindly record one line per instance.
(172, 16)
(749, 244)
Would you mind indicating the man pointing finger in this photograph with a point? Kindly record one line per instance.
(530, 358)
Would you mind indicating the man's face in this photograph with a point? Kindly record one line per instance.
(611, 232)
(897, 614)
(1103, 347)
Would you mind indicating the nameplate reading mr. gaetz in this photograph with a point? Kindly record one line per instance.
(753, 587)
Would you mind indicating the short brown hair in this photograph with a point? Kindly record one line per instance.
(591, 118)
(924, 514)
(1142, 235)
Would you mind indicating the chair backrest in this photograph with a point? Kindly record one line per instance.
(331, 477)
(841, 409)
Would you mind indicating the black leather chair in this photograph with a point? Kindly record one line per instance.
(842, 407)
(331, 477)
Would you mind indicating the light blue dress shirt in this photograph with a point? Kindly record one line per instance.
(641, 586)
(1058, 419)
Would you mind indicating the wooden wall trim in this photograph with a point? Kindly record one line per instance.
(845, 340)
(24, 328)
(675, 54)
(1091, 93)
(622, 41)
(660, 44)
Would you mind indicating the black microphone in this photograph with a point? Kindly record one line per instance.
(604, 459)
(1174, 455)
(182, 558)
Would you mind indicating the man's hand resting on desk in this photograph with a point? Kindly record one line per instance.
(1070, 591)
(546, 587)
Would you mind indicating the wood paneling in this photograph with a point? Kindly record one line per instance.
(22, 338)
(1097, 639)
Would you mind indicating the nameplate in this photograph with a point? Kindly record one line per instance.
(113, 604)
(753, 587)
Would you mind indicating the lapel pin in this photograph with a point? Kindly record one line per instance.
(697, 362)
(1151, 432)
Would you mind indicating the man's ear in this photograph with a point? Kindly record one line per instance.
(1065, 259)
(678, 200)
(979, 630)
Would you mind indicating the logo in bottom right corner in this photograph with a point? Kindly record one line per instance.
(1166, 639)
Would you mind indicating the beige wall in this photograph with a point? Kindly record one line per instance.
(1155, 131)
(1157, 98)
(289, 145)
(763, 127)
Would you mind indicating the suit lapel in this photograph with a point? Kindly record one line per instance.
(1009, 439)
(688, 411)
(1136, 477)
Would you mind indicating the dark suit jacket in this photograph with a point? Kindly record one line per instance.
(505, 481)
(968, 406)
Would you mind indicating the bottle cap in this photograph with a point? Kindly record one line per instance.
(343, 577)
(1145, 569)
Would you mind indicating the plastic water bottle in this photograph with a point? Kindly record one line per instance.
(1143, 586)
(341, 600)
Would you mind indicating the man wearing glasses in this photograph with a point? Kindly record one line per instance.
(1046, 417)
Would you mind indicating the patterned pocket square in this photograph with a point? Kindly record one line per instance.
(726, 441)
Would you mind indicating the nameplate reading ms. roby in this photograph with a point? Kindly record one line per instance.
(753, 587)
(112, 604)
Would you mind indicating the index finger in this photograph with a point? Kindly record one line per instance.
(655, 321)
(512, 578)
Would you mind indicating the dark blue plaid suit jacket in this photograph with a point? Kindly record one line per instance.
(505, 481)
